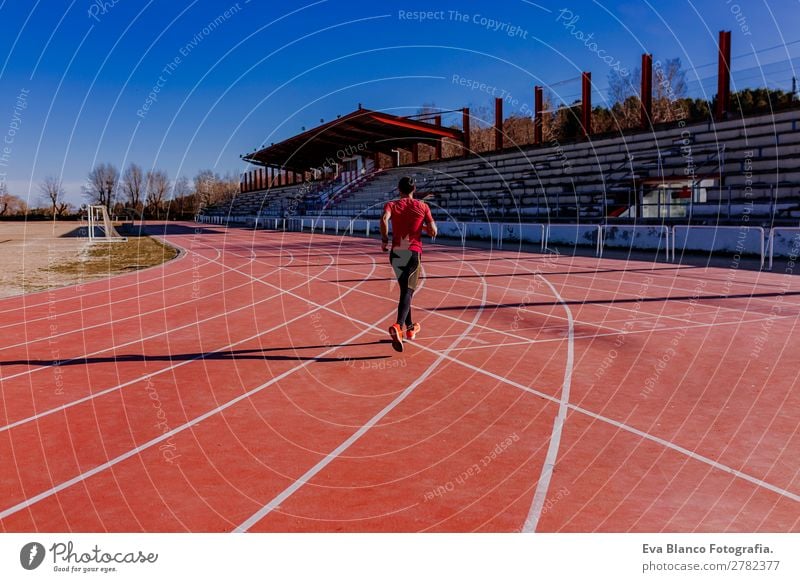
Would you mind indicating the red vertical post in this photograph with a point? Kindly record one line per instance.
(438, 145)
(724, 75)
(498, 123)
(271, 177)
(414, 153)
(465, 129)
(249, 181)
(647, 90)
(586, 103)
(538, 115)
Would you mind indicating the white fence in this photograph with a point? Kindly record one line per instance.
(784, 242)
(777, 242)
(497, 232)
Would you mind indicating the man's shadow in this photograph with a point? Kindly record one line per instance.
(262, 354)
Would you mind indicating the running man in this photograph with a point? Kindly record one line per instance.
(409, 218)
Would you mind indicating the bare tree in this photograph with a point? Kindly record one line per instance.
(481, 137)
(102, 185)
(183, 200)
(10, 204)
(427, 109)
(158, 186)
(53, 193)
(228, 186)
(211, 188)
(5, 200)
(132, 186)
(518, 130)
(181, 188)
(550, 128)
(623, 93)
(669, 87)
(204, 186)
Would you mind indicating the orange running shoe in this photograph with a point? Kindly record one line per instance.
(396, 333)
(411, 332)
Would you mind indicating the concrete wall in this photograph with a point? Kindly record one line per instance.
(636, 237)
(785, 242)
(731, 239)
(572, 234)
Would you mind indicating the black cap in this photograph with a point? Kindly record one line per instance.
(406, 185)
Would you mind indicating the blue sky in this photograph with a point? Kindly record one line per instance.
(231, 76)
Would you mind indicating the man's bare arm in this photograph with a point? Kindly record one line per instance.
(384, 222)
(432, 230)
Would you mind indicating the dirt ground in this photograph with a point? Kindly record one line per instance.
(42, 255)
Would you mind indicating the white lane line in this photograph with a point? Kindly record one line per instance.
(691, 454)
(87, 474)
(668, 444)
(135, 451)
(752, 288)
(334, 454)
(615, 423)
(138, 296)
(712, 308)
(138, 315)
(598, 335)
(494, 307)
(94, 395)
(539, 497)
(145, 338)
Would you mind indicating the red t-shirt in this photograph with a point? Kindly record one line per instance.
(408, 217)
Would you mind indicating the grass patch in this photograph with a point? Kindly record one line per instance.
(119, 257)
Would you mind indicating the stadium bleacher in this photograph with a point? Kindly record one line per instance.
(594, 180)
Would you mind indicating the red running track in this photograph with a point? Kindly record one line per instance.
(249, 385)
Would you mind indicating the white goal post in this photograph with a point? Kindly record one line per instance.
(98, 218)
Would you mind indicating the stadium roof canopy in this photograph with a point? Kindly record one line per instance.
(362, 132)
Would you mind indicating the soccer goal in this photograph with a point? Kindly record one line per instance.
(99, 221)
